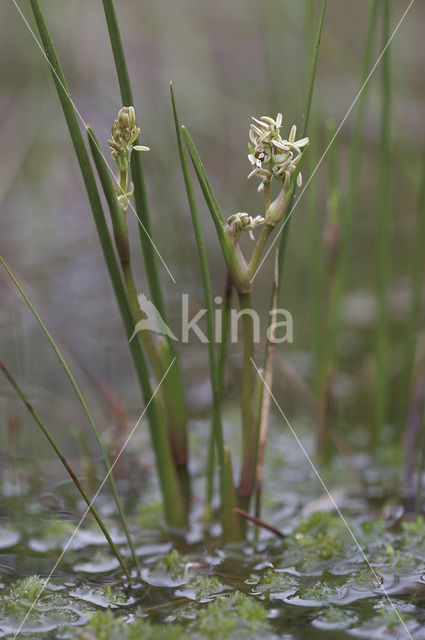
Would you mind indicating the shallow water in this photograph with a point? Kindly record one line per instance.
(315, 583)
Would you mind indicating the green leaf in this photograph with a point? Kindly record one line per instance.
(226, 481)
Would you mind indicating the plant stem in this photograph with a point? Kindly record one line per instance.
(326, 365)
(232, 253)
(173, 504)
(221, 362)
(67, 466)
(314, 222)
(384, 238)
(175, 378)
(309, 97)
(265, 397)
(267, 198)
(416, 287)
(154, 351)
(421, 463)
(249, 444)
(349, 208)
(230, 522)
(85, 407)
(225, 322)
(266, 231)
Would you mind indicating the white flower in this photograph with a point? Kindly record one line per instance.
(243, 222)
(271, 155)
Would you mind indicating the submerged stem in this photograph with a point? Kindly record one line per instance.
(85, 407)
(67, 466)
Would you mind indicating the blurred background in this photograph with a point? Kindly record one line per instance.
(228, 61)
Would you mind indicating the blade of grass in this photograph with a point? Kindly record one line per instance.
(265, 397)
(285, 232)
(315, 257)
(421, 463)
(327, 365)
(173, 505)
(231, 251)
(142, 206)
(349, 208)
(221, 364)
(175, 378)
(416, 288)
(67, 466)
(384, 238)
(309, 98)
(225, 323)
(168, 391)
(249, 439)
(281, 253)
(121, 242)
(230, 523)
(85, 407)
(209, 196)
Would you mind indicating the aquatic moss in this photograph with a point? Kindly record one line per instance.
(272, 583)
(235, 616)
(21, 595)
(103, 625)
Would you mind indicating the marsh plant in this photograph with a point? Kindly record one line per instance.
(275, 159)
(276, 155)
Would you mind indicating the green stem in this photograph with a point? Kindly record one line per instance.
(421, 464)
(267, 197)
(326, 365)
(315, 257)
(173, 505)
(384, 238)
(309, 98)
(266, 231)
(175, 378)
(229, 520)
(67, 466)
(416, 288)
(350, 201)
(119, 225)
(245, 488)
(85, 407)
(221, 362)
(232, 253)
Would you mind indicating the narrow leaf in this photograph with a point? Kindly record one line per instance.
(226, 480)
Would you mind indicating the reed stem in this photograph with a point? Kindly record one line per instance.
(384, 239)
(230, 523)
(175, 378)
(417, 279)
(285, 232)
(249, 443)
(173, 505)
(69, 469)
(85, 407)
